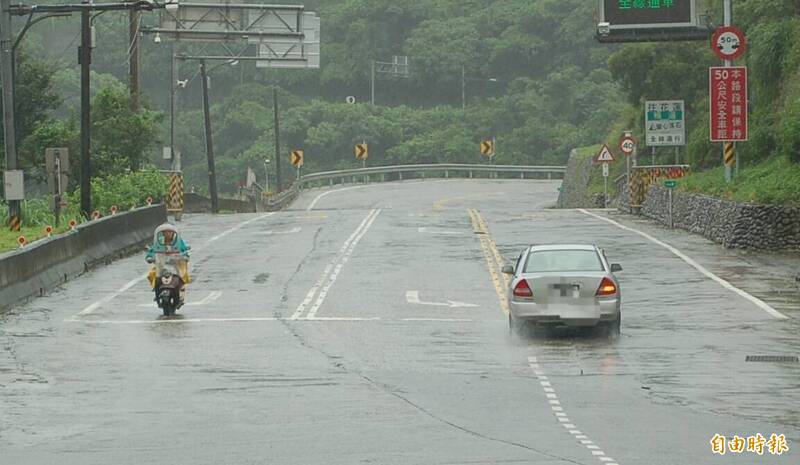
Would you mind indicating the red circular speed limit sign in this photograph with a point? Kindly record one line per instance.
(627, 144)
(728, 43)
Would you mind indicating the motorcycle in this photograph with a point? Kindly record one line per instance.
(167, 277)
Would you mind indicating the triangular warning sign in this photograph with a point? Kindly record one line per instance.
(604, 155)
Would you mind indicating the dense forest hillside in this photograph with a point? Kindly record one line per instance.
(536, 80)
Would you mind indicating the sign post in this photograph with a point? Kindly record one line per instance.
(627, 145)
(670, 185)
(605, 156)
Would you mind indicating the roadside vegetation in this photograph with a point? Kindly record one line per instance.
(125, 191)
(769, 170)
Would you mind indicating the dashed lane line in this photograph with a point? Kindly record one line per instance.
(758, 302)
(563, 419)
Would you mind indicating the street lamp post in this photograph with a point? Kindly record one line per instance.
(464, 80)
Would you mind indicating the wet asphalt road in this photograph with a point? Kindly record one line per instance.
(364, 326)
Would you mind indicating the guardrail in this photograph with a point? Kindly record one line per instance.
(445, 168)
(47, 263)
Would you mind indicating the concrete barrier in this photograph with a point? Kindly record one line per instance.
(44, 264)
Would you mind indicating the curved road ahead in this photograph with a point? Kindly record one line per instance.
(365, 325)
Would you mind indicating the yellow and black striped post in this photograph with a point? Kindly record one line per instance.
(175, 193)
(729, 154)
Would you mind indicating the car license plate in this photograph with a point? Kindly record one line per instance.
(576, 291)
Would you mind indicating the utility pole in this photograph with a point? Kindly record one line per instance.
(463, 87)
(176, 161)
(9, 128)
(212, 175)
(278, 184)
(133, 66)
(727, 19)
(372, 84)
(86, 121)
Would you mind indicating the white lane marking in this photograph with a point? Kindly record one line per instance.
(452, 320)
(313, 291)
(271, 232)
(236, 228)
(563, 419)
(205, 301)
(343, 260)
(249, 319)
(440, 232)
(554, 402)
(108, 298)
(606, 459)
(324, 194)
(412, 297)
(758, 302)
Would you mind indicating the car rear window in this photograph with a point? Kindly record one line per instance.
(546, 261)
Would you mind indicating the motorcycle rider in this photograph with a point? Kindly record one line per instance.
(167, 239)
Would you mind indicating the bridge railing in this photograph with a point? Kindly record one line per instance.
(442, 169)
(396, 172)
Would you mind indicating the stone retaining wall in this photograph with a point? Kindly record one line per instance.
(732, 224)
(575, 187)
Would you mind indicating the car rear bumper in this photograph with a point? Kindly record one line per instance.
(563, 314)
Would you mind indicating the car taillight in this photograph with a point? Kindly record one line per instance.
(607, 287)
(523, 290)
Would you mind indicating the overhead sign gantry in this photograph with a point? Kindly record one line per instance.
(649, 21)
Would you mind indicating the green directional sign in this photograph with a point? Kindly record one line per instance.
(670, 183)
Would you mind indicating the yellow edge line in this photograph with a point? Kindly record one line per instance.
(491, 254)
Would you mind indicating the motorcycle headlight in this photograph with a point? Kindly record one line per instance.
(166, 280)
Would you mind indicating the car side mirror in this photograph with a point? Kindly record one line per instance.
(508, 269)
(616, 267)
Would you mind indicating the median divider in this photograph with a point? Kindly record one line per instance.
(49, 262)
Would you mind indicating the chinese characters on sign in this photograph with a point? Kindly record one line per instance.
(665, 123)
(648, 14)
(758, 444)
(728, 103)
(627, 4)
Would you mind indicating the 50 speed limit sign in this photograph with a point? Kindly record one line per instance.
(627, 144)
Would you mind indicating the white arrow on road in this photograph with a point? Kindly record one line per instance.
(412, 297)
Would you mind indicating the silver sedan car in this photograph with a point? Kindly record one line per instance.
(572, 285)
